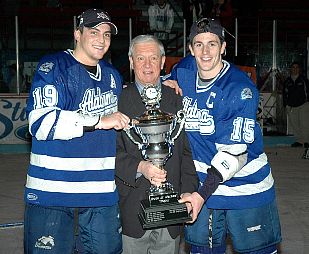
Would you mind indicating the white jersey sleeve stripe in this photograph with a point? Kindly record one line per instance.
(38, 113)
(70, 187)
(247, 189)
(251, 168)
(67, 125)
(234, 149)
(72, 164)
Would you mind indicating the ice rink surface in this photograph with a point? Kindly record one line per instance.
(291, 174)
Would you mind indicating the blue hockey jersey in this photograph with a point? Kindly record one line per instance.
(67, 166)
(222, 117)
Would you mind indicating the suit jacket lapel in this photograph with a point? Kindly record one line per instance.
(135, 100)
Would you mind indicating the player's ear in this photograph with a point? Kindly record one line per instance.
(191, 49)
(223, 48)
(131, 62)
(77, 34)
(162, 62)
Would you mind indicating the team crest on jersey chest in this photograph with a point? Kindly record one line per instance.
(198, 119)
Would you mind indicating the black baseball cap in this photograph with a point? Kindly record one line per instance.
(95, 17)
(204, 25)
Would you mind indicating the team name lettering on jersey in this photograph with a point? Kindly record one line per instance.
(198, 119)
(95, 102)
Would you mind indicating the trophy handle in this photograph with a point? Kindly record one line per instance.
(181, 117)
(128, 132)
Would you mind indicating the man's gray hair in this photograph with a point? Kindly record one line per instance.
(145, 38)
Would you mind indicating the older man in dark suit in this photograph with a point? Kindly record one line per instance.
(135, 175)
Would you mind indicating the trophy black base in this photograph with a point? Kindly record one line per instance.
(162, 215)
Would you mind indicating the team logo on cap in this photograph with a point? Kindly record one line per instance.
(102, 15)
(203, 25)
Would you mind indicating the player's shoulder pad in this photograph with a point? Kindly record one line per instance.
(48, 63)
(109, 66)
(242, 84)
(188, 63)
(108, 69)
(245, 91)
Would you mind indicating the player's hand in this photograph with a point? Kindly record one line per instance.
(188, 204)
(173, 84)
(155, 175)
(196, 202)
(116, 120)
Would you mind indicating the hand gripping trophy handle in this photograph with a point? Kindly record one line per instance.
(128, 132)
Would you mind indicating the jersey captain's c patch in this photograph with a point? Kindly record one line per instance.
(46, 67)
(246, 93)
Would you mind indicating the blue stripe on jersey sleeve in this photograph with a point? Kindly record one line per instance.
(53, 128)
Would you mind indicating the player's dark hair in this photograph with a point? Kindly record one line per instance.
(80, 28)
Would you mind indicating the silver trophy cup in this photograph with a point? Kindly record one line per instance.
(155, 129)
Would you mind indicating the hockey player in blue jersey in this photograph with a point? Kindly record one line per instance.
(72, 110)
(237, 195)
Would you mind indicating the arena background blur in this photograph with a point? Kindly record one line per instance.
(264, 37)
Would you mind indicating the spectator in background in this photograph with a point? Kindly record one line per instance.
(161, 19)
(226, 14)
(295, 99)
(12, 84)
(192, 10)
(216, 9)
(3, 86)
(207, 6)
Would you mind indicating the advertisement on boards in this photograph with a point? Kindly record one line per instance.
(13, 121)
